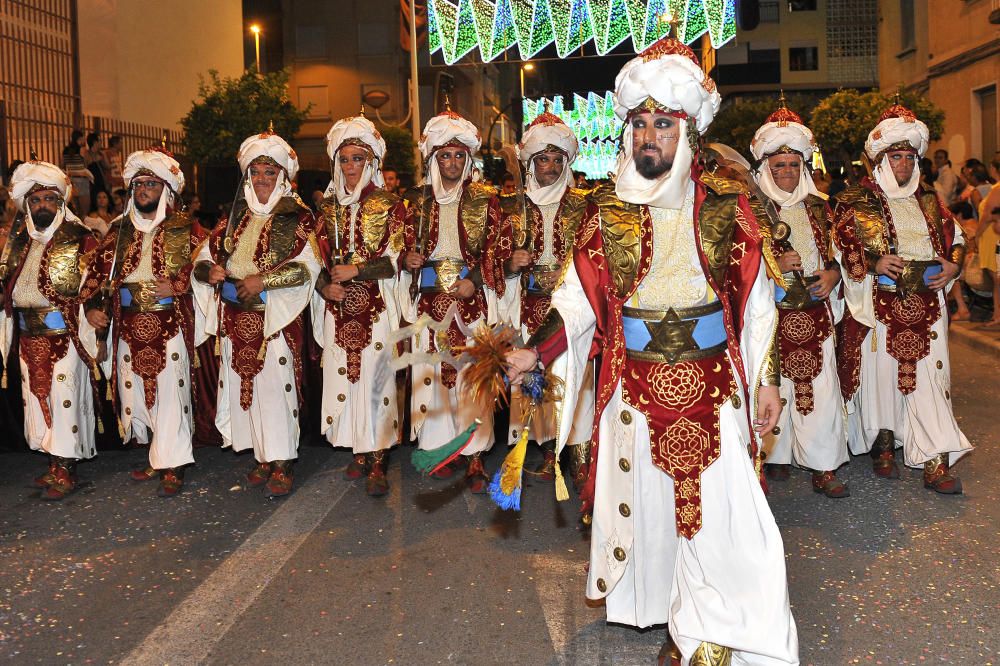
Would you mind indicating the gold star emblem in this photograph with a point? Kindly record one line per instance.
(671, 336)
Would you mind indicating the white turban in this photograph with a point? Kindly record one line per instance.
(357, 130)
(545, 132)
(35, 175)
(897, 125)
(163, 166)
(665, 76)
(448, 129)
(271, 146)
(783, 132)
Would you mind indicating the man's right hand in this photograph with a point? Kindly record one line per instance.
(413, 261)
(97, 318)
(790, 261)
(520, 361)
(334, 292)
(890, 265)
(216, 274)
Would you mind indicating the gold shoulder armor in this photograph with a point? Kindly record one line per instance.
(721, 185)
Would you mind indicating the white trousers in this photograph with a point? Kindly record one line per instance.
(71, 402)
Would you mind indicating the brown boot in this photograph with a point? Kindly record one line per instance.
(259, 475)
(45, 480)
(376, 483)
(580, 465)
(279, 484)
(143, 474)
(546, 471)
(63, 480)
(710, 654)
(171, 481)
(883, 455)
(668, 652)
(475, 475)
(938, 476)
(357, 468)
(828, 484)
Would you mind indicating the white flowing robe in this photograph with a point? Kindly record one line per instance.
(817, 440)
(363, 416)
(727, 584)
(271, 425)
(71, 398)
(922, 422)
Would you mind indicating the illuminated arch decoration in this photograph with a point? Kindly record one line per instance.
(456, 27)
(593, 121)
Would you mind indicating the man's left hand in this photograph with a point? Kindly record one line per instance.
(948, 273)
(344, 272)
(518, 260)
(828, 279)
(249, 287)
(768, 410)
(163, 288)
(464, 289)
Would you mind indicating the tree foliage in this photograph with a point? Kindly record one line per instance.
(738, 122)
(399, 146)
(842, 121)
(228, 110)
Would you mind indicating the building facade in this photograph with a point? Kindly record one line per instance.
(950, 52)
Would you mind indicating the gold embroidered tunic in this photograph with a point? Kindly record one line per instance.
(144, 271)
(26, 293)
(912, 237)
(448, 243)
(241, 262)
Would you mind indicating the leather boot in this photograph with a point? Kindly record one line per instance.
(259, 475)
(938, 476)
(828, 484)
(376, 483)
(580, 465)
(710, 654)
(63, 480)
(171, 481)
(42, 482)
(143, 474)
(279, 483)
(546, 471)
(475, 475)
(883, 455)
(357, 468)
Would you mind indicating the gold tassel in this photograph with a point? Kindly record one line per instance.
(108, 395)
(874, 341)
(96, 370)
(3, 380)
(562, 492)
(121, 429)
(218, 346)
(100, 425)
(197, 360)
(263, 351)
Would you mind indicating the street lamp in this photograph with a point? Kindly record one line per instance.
(526, 67)
(255, 29)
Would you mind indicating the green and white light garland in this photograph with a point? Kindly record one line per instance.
(593, 121)
(456, 27)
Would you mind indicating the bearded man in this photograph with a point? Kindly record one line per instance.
(553, 209)
(811, 432)
(42, 270)
(265, 265)
(360, 237)
(667, 282)
(456, 243)
(145, 264)
(901, 250)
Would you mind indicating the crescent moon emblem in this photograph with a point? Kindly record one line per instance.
(717, 368)
(643, 400)
(715, 392)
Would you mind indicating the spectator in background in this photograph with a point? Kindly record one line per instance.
(118, 198)
(946, 182)
(927, 173)
(391, 180)
(316, 199)
(977, 177)
(581, 180)
(507, 184)
(821, 179)
(100, 214)
(75, 165)
(989, 237)
(93, 157)
(113, 162)
(7, 213)
(837, 182)
(965, 218)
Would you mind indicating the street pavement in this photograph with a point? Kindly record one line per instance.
(432, 575)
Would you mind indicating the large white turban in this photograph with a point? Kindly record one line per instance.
(358, 131)
(160, 165)
(546, 132)
(666, 76)
(272, 147)
(448, 129)
(37, 175)
(784, 132)
(898, 129)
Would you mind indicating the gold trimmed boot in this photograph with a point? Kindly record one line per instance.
(883, 455)
(376, 483)
(938, 476)
(710, 654)
(547, 470)
(580, 465)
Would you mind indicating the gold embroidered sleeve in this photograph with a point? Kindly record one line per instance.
(294, 274)
(376, 269)
(957, 256)
(551, 325)
(770, 374)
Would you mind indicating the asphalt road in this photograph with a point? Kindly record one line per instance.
(433, 575)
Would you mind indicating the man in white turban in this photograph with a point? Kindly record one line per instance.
(42, 270)
(265, 264)
(900, 252)
(668, 284)
(811, 432)
(456, 248)
(554, 209)
(361, 235)
(144, 265)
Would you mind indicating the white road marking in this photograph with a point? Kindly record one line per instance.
(190, 633)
